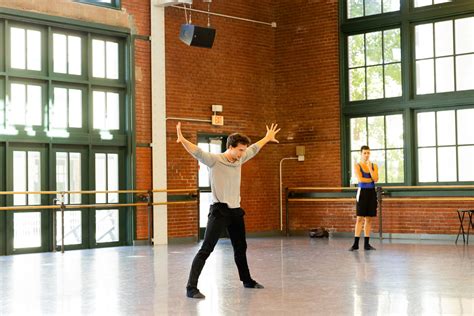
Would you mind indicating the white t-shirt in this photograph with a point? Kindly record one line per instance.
(225, 175)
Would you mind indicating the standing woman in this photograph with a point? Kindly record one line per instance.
(367, 174)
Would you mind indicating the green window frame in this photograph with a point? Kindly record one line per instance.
(409, 103)
(77, 133)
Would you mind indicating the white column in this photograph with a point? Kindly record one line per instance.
(158, 115)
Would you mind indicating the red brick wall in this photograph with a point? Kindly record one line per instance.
(139, 11)
(398, 217)
(238, 72)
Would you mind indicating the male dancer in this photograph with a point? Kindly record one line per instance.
(225, 212)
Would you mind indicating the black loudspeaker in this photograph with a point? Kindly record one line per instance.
(194, 35)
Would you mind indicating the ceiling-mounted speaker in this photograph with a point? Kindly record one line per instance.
(198, 36)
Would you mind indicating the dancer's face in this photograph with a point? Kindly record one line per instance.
(365, 155)
(237, 152)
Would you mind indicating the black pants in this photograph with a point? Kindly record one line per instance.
(221, 217)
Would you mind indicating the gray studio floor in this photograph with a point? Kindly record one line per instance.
(302, 276)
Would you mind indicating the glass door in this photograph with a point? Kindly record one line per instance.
(108, 225)
(70, 174)
(27, 230)
(216, 145)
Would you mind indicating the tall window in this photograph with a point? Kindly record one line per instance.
(408, 88)
(64, 97)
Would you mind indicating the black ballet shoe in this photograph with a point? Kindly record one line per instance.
(193, 292)
(354, 248)
(253, 285)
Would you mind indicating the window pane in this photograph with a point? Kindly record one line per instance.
(374, 48)
(98, 58)
(465, 126)
(216, 146)
(394, 131)
(75, 108)
(395, 166)
(18, 48)
(374, 82)
(391, 5)
(447, 164)
(355, 158)
(376, 132)
(204, 180)
(356, 49)
(427, 164)
(393, 80)
(446, 128)
(424, 41)
(466, 165)
(424, 76)
(106, 226)
(373, 7)
(441, 1)
(34, 108)
(426, 129)
(17, 108)
(34, 177)
(355, 8)
(74, 55)
(62, 174)
(99, 109)
(444, 38)
(444, 74)
(205, 201)
(72, 228)
(112, 60)
(113, 112)
(358, 133)
(464, 71)
(112, 177)
(422, 3)
(33, 50)
(75, 177)
(19, 177)
(464, 35)
(357, 84)
(391, 42)
(26, 230)
(59, 53)
(378, 157)
(100, 177)
(59, 113)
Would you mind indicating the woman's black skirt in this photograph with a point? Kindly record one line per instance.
(366, 202)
